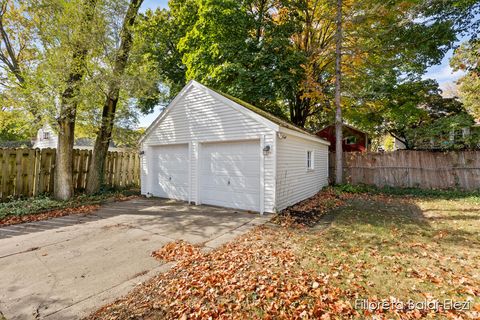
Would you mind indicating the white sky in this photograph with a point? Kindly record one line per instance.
(442, 72)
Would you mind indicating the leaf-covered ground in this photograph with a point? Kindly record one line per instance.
(378, 247)
(42, 208)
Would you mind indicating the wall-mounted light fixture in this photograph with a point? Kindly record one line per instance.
(266, 150)
(142, 153)
(281, 135)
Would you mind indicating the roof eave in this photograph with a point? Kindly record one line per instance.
(310, 137)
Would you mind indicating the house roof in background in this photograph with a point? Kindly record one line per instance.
(344, 125)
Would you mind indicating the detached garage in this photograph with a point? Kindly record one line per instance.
(209, 148)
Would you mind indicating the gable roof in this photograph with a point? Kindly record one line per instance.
(265, 114)
(258, 114)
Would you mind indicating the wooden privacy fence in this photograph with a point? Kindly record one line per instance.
(418, 169)
(29, 172)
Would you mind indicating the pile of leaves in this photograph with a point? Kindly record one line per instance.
(83, 210)
(175, 251)
(253, 277)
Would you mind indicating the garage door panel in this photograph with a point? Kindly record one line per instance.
(167, 190)
(247, 201)
(170, 163)
(240, 167)
(180, 180)
(232, 157)
(236, 184)
(230, 174)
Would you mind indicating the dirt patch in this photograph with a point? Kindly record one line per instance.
(310, 211)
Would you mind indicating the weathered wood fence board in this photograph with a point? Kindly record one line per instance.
(418, 169)
(29, 172)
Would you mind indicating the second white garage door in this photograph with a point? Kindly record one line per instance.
(230, 174)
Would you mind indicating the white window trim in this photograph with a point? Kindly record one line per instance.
(312, 160)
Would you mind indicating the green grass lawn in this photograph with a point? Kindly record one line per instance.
(378, 247)
(420, 249)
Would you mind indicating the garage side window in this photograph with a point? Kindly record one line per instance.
(309, 160)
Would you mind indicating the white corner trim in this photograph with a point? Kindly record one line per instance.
(262, 176)
(165, 111)
(189, 172)
(275, 158)
(255, 116)
(304, 136)
(197, 174)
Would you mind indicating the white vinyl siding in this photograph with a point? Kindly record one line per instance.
(198, 117)
(294, 181)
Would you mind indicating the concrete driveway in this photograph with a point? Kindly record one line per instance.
(65, 268)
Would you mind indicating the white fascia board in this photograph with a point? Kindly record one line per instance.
(255, 116)
(304, 136)
(165, 111)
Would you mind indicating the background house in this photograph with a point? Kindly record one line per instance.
(48, 138)
(467, 137)
(353, 138)
(209, 148)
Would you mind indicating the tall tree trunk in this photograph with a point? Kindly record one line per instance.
(97, 165)
(338, 113)
(63, 186)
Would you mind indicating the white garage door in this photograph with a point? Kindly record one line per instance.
(170, 171)
(230, 174)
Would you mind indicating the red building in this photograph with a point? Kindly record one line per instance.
(353, 139)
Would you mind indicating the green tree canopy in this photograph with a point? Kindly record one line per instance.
(467, 59)
(279, 54)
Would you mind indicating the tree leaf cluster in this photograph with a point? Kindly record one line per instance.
(279, 54)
